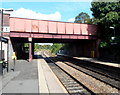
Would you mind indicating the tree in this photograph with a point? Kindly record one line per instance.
(82, 18)
(56, 47)
(37, 47)
(107, 14)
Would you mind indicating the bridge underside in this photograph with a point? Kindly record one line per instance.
(80, 47)
(49, 40)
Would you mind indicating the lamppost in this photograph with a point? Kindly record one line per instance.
(113, 37)
(2, 14)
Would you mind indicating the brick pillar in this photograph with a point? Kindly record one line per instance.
(30, 49)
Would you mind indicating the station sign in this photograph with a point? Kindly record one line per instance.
(30, 39)
(4, 39)
(6, 29)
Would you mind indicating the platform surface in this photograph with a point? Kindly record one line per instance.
(98, 61)
(95, 60)
(31, 77)
(48, 82)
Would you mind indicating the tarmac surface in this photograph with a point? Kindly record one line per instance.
(24, 79)
(33, 78)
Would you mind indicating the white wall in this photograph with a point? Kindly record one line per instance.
(4, 47)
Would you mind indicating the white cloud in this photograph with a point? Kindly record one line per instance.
(27, 13)
(71, 20)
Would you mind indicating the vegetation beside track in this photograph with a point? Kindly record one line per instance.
(51, 48)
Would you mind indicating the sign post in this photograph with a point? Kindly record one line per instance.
(30, 49)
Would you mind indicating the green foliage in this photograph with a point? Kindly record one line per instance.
(85, 18)
(82, 18)
(53, 49)
(42, 47)
(103, 44)
(56, 47)
(36, 47)
(26, 44)
(107, 14)
(47, 47)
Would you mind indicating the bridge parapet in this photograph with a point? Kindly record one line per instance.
(51, 27)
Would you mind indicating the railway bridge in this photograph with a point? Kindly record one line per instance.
(23, 30)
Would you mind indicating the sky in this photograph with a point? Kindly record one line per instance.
(58, 11)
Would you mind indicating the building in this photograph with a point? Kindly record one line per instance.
(5, 40)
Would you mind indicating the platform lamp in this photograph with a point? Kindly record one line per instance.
(1, 12)
(113, 37)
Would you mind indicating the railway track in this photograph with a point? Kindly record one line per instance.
(70, 83)
(105, 84)
(109, 71)
(97, 73)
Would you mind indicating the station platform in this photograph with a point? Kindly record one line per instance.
(94, 60)
(31, 77)
(48, 82)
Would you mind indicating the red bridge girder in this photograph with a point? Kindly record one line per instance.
(55, 36)
(21, 27)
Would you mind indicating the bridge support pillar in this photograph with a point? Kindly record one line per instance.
(97, 47)
(30, 51)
